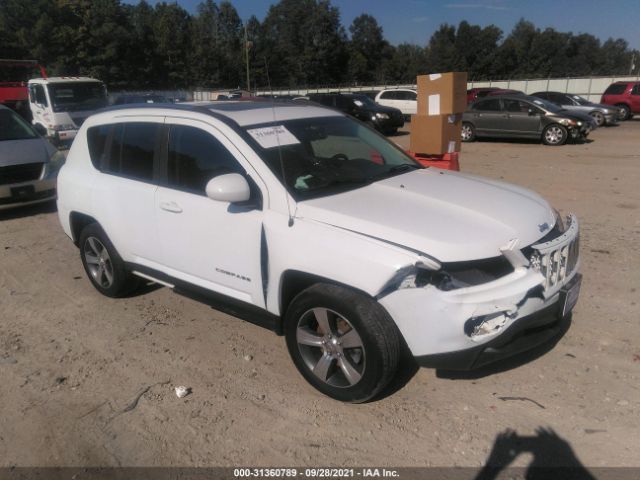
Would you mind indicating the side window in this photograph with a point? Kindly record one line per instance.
(412, 96)
(636, 89)
(97, 140)
(132, 150)
(616, 89)
(557, 98)
(388, 96)
(38, 96)
(515, 106)
(195, 157)
(492, 105)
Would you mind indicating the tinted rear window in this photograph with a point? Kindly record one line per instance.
(616, 89)
(132, 150)
(97, 140)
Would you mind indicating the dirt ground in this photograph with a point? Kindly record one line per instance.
(72, 362)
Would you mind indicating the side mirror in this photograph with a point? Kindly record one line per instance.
(231, 187)
(532, 111)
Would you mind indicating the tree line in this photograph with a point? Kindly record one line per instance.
(299, 43)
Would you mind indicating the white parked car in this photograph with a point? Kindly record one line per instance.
(403, 99)
(59, 105)
(310, 223)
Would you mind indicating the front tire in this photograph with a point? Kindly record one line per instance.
(342, 342)
(103, 265)
(598, 117)
(554, 135)
(468, 133)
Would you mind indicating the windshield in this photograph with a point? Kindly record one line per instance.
(69, 97)
(363, 99)
(550, 107)
(580, 100)
(322, 156)
(12, 127)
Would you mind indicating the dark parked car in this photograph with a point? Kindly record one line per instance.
(625, 96)
(523, 116)
(384, 119)
(148, 98)
(602, 114)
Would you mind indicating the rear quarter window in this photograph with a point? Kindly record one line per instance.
(616, 89)
(97, 142)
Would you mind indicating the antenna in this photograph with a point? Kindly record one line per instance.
(282, 170)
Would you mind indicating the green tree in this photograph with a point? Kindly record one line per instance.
(368, 50)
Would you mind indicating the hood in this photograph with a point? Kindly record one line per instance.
(377, 108)
(19, 152)
(572, 112)
(447, 215)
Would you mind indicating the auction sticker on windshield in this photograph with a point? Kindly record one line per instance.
(277, 135)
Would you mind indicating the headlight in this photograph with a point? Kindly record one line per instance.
(451, 276)
(567, 122)
(382, 116)
(55, 163)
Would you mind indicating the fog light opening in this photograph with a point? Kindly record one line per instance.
(486, 325)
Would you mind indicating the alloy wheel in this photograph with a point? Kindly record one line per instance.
(98, 262)
(466, 132)
(330, 347)
(554, 135)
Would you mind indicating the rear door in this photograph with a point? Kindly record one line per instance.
(519, 122)
(635, 98)
(488, 117)
(125, 194)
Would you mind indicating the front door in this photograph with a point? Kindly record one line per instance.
(211, 244)
(522, 118)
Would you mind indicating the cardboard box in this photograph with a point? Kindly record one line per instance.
(436, 134)
(442, 93)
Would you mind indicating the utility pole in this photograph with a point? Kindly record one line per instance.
(632, 67)
(246, 52)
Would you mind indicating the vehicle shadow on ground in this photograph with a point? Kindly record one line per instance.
(553, 457)
(508, 363)
(28, 211)
(529, 141)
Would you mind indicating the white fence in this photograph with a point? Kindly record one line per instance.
(589, 87)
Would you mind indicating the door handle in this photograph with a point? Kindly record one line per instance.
(171, 207)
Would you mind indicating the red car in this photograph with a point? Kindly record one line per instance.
(625, 95)
(474, 94)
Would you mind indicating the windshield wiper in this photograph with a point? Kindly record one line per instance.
(403, 167)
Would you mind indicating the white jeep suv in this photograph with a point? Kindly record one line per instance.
(306, 221)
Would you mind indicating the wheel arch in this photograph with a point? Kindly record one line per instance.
(77, 221)
(292, 282)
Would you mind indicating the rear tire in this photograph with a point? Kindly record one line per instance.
(103, 265)
(468, 132)
(342, 342)
(626, 112)
(554, 135)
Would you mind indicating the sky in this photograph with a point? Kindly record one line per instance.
(414, 21)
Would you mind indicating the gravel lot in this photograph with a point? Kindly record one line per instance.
(73, 363)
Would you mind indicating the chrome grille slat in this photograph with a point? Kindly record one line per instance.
(558, 259)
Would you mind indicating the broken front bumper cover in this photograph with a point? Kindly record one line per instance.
(543, 328)
(439, 324)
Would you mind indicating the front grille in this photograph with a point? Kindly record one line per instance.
(20, 173)
(557, 264)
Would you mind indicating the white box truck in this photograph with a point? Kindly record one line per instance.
(59, 105)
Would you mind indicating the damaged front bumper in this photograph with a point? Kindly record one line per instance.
(469, 327)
